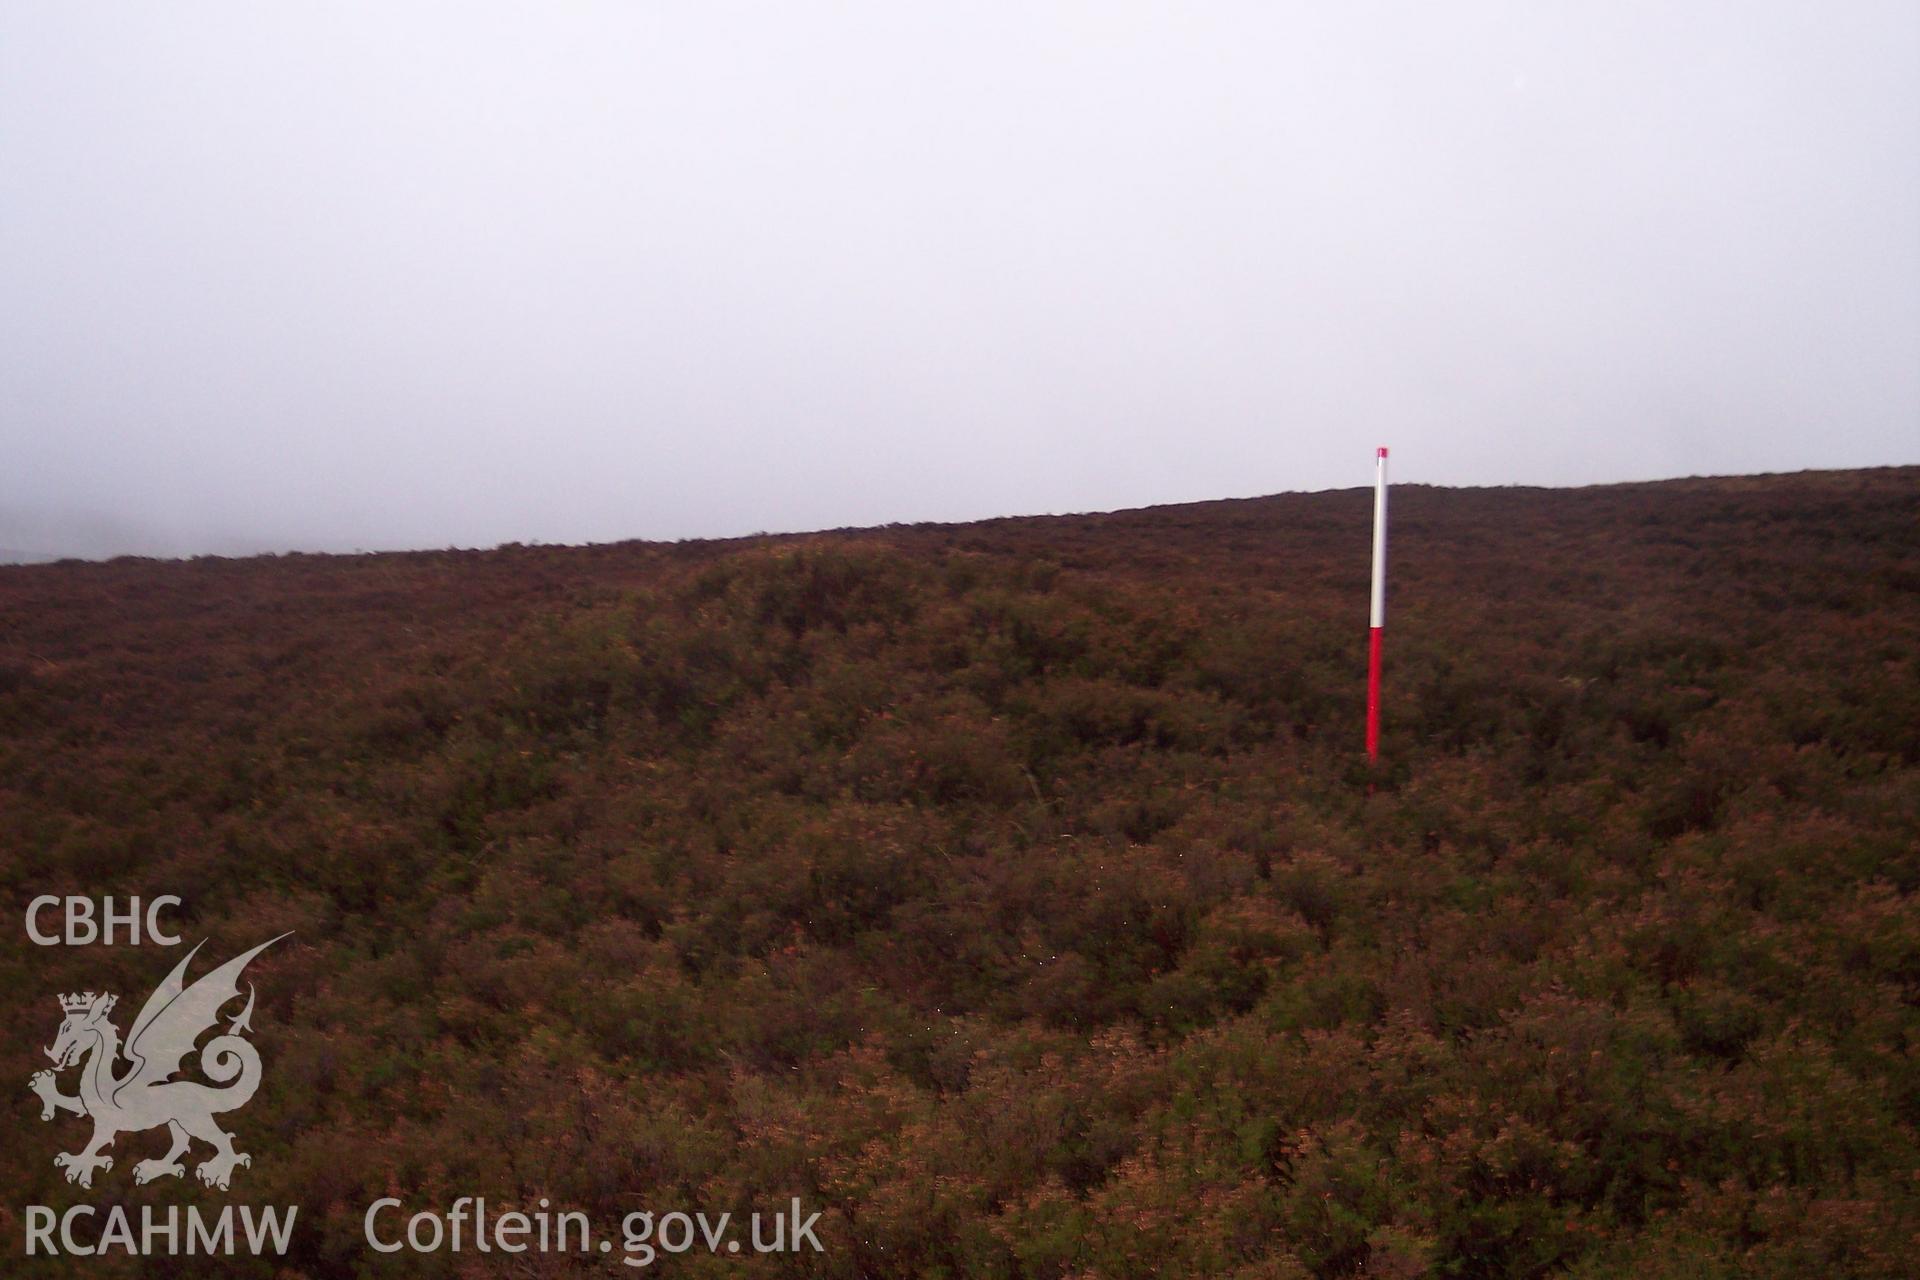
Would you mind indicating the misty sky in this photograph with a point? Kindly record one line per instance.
(337, 276)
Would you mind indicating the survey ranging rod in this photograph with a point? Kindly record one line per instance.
(1377, 617)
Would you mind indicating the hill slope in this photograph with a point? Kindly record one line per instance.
(1012, 892)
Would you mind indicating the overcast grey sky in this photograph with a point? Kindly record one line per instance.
(401, 274)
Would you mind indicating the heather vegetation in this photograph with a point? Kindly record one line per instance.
(1015, 894)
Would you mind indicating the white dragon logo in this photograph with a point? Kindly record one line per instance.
(144, 1097)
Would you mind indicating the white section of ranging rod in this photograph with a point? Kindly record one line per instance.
(1378, 616)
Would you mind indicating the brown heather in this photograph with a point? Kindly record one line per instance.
(1014, 893)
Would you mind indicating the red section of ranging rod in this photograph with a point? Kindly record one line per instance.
(1373, 693)
(1377, 604)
